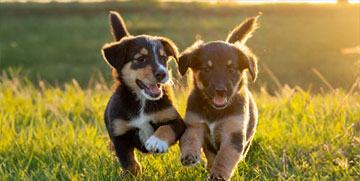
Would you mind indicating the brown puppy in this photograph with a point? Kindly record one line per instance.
(221, 114)
(140, 113)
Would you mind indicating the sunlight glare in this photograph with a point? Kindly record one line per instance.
(211, 1)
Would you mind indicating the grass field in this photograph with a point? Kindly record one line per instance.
(51, 110)
(52, 133)
(57, 42)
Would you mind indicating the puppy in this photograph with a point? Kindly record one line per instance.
(140, 113)
(221, 114)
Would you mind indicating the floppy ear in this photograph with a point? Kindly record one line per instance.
(249, 61)
(171, 49)
(186, 57)
(114, 54)
(184, 62)
(252, 67)
(243, 32)
(117, 26)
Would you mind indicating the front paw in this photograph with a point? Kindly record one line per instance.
(190, 159)
(156, 145)
(214, 177)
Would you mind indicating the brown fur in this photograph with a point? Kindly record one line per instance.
(115, 78)
(120, 127)
(225, 161)
(197, 80)
(221, 152)
(165, 133)
(162, 52)
(221, 115)
(133, 166)
(130, 75)
(193, 137)
(165, 115)
(210, 154)
(140, 114)
(144, 51)
(222, 162)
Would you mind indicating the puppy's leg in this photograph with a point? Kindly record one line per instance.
(229, 155)
(125, 152)
(165, 135)
(210, 154)
(170, 127)
(190, 144)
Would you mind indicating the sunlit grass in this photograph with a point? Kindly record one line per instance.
(58, 133)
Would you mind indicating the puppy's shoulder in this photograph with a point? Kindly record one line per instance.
(196, 101)
(122, 105)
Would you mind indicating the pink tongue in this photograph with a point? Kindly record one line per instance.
(219, 101)
(154, 89)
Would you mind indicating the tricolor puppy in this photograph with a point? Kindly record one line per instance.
(140, 113)
(221, 115)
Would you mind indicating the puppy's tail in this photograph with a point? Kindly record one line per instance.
(117, 26)
(243, 32)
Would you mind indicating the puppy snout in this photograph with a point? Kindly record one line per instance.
(220, 90)
(160, 75)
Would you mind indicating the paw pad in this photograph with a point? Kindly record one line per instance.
(190, 160)
(214, 177)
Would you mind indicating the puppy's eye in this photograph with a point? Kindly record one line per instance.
(163, 59)
(141, 59)
(232, 70)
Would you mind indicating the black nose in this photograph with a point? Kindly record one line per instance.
(220, 90)
(160, 75)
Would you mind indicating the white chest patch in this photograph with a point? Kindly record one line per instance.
(146, 131)
(142, 122)
(211, 127)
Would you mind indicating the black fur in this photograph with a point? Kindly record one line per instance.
(237, 141)
(243, 31)
(117, 26)
(115, 54)
(119, 53)
(201, 105)
(125, 104)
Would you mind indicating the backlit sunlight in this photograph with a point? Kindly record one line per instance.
(213, 1)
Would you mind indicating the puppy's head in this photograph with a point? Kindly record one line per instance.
(140, 61)
(219, 66)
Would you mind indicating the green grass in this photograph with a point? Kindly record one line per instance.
(52, 133)
(51, 118)
(57, 42)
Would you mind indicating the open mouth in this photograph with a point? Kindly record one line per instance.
(219, 102)
(153, 90)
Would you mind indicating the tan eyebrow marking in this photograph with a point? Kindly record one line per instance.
(229, 62)
(137, 55)
(162, 52)
(210, 63)
(144, 51)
